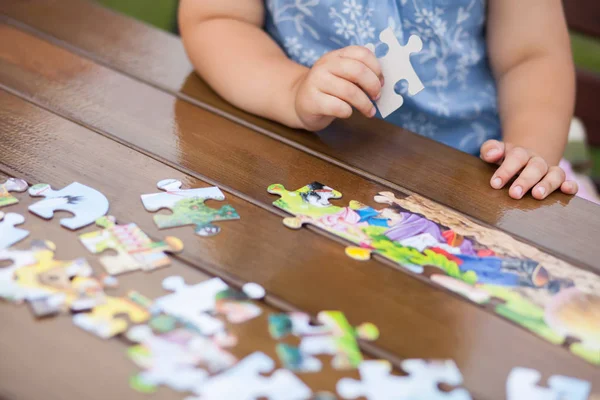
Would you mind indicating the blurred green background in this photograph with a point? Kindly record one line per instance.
(163, 14)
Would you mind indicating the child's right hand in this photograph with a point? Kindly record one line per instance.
(342, 79)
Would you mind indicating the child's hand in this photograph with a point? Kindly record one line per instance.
(342, 79)
(533, 171)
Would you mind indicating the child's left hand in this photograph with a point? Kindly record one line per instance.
(532, 170)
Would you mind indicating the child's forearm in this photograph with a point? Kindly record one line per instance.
(531, 58)
(245, 66)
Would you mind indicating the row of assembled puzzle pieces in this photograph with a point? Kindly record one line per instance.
(170, 354)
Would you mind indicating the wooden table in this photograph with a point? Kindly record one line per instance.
(91, 96)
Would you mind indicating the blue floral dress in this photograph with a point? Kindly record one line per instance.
(458, 106)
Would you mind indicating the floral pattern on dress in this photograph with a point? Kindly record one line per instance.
(458, 106)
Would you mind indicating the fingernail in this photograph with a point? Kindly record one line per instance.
(372, 112)
(541, 190)
(378, 96)
(382, 81)
(518, 191)
(496, 183)
(492, 153)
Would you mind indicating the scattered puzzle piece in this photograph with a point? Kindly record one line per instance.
(395, 67)
(10, 290)
(193, 304)
(11, 185)
(103, 322)
(335, 336)
(9, 234)
(168, 357)
(85, 203)
(522, 384)
(135, 250)
(377, 383)
(244, 381)
(188, 207)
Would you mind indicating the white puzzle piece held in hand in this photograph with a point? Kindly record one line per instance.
(244, 381)
(522, 383)
(396, 66)
(421, 382)
(10, 235)
(85, 203)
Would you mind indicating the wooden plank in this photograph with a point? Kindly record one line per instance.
(415, 320)
(403, 161)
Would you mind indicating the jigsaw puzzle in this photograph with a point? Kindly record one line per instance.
(9, 233)
(523, 289)
(171, 358)
(395, 67)
(85, 203)
(188, 207)
(335, 336)
(422, 381)
(244, 381)
(135, 250)
(195, 305)
(11, 185)
(522, 384)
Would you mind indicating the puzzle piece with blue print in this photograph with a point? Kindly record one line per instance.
(188, 208)
(11, 185)
(135, 250)
(85, 203)
(9, 233)
(377, 382)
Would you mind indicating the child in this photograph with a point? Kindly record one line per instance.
(498, 74)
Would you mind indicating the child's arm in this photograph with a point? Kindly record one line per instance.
(230, 50)
(531, 59)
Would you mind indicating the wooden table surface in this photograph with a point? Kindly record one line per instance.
(91, 96)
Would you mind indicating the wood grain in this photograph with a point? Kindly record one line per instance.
(373, 149)
(415, 319)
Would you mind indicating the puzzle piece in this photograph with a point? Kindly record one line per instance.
(377, 383)
(11, 185)
(335, 336)
(85, 203)
(188, 207)
(171, 358)
(396, 66)
(10, 290)
(135, 250)
(244, 381)
(193, 305)
(103, 322)
(522, 384)
(9, 234)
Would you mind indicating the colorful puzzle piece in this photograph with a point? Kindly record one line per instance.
(11, 185)
(395, 67)
(85, 203)
(10, 290)
(103, 322)
(188, 207)
(9, 234)
(522, 384)
(335, 336)
(244, 381)
(135, 250)
(377, 383)
(171, 359)
(193, 305)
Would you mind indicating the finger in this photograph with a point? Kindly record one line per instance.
(534, 172)
(492, 151)
(331, 106)
(365, 56)
(358, 73)
(513, 162)
(552, 181)
(569, 187)
(348, 92)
